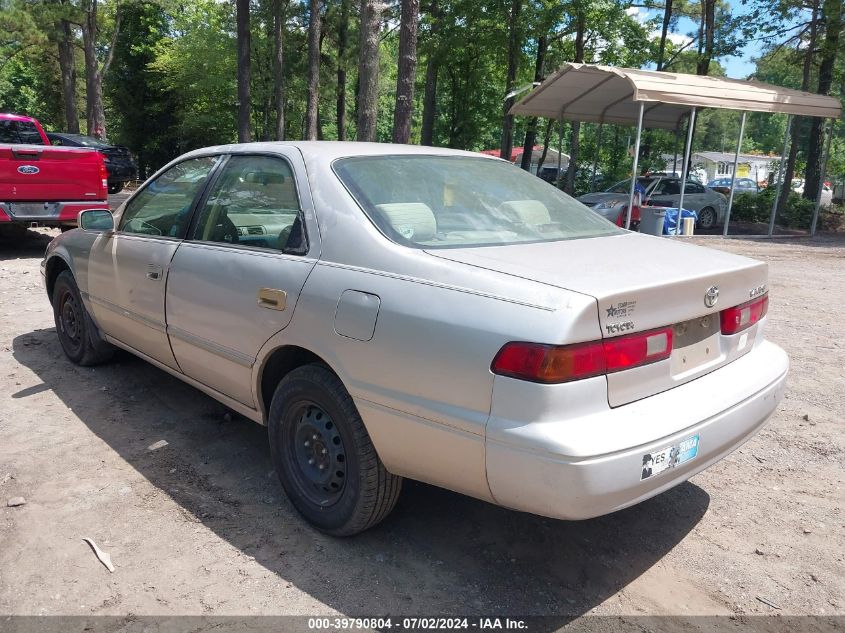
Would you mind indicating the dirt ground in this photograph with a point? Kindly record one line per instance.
(201, 526)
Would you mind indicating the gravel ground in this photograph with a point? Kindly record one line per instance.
(201, 526)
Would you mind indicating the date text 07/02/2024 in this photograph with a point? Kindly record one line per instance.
(416, 623)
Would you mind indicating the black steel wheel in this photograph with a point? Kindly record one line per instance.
(77, 333)
(316, 446)
(323, 454)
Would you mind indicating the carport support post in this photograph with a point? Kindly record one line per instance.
(635, 165)
(821, 180)
(559, 147)
(684, 168)
(596, 157)
(733, 176)
(675, 157)
(780, 171)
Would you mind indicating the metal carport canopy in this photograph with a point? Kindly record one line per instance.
(604, 94)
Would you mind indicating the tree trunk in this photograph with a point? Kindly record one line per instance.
(278, 68)
(431, 69)
(513, 62)
(799, 122)
(575, 137)
(368, 63)
(342, 44)
(68, 69)
(832, 18)
(708, 24)
(244, 67)
(547, 138)
(531, 133)
(407, 71)
(94, 112)
(313, 70)
(667, 18)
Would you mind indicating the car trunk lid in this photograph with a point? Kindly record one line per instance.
(641, 283)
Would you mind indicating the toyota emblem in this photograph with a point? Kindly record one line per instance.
(711, 296)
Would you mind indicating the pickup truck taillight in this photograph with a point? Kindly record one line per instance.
(744, 316)
(550, 364)
(104, 174)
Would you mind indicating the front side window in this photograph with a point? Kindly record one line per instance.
(456, 201)
(668, 188)
(254, 203)
(163, 207)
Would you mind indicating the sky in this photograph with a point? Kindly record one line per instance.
(736, 67)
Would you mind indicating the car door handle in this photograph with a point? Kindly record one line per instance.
(272, 298)
(154, 272)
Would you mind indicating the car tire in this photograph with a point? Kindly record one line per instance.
(707, 218)
(77, 333)
(116, 187)
(324, 457)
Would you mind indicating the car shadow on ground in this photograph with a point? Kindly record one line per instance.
(438, 553)
(23, 244)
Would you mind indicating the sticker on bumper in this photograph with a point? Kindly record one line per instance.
(669, 457)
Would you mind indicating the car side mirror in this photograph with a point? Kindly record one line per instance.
(95, 220)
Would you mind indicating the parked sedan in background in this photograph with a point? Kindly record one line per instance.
(661, 191)
(119, 162)
(742, 185)
(397, 311)
(827, 191)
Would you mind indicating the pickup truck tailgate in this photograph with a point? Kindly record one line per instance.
(41, 173)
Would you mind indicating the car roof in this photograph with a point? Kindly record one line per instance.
(8, 116)
(330, 150)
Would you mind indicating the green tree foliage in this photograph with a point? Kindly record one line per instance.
(172, 82)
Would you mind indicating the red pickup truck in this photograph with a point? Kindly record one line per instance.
(42, 185)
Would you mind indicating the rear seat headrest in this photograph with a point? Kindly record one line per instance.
(412, 220)
(527, 211)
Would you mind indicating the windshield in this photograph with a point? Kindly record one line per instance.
(624, 186)
(456, 201)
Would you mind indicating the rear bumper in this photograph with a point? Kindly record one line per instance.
(50, 214)
(556, 468)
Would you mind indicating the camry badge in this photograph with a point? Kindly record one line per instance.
(711, 296)
(28, 170)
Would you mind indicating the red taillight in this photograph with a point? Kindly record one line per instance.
(744, 316)
(634, 350)
(104, 173)
(561, 363)
(4, 217)
(549, 363)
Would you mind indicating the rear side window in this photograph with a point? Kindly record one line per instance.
(20, 133)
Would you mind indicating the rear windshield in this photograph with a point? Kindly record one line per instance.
(19, 133)
(86, 141)
(456, 201)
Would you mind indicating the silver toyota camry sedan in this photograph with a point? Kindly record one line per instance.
(392, 311)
